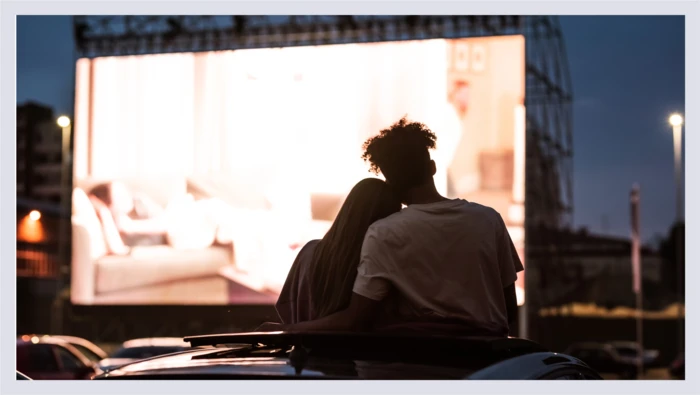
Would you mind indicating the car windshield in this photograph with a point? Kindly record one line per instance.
(145, 352)
(87, 352)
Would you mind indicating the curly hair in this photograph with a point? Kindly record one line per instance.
(400, 153)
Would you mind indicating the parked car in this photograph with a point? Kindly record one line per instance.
(49, 358)
(138, 349)
(619, 358)
(677, 368)
(90, 350)
(344, 356)
(629, 351)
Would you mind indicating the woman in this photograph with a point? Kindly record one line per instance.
(130, 220)
(321, 279)
(138, 221)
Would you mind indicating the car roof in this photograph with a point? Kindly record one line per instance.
(156, 342)
(623, 344)
(587, 345)
(191, 365)
(45, 339)
(74, 340)
(325, 355)
(532, 367)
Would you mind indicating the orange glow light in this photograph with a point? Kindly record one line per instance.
(34, 215)
(30, 229)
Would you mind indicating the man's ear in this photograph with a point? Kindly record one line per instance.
(433, 168)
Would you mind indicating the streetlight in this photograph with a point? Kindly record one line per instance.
(676, 121)
(63, 256)
(63, 121)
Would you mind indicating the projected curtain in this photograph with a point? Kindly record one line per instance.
(299, 114)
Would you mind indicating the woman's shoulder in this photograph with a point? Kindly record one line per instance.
(310, 244)
(307, 251)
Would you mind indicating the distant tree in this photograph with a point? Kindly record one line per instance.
(672, 251)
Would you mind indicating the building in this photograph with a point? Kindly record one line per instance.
(39, 215)
(38, 153)
(37, 263)
(591, 269)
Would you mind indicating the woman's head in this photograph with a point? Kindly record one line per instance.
(337, 256)
(114, 195)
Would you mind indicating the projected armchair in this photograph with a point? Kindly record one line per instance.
(157, 274)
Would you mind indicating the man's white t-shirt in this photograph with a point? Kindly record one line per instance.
(448, 260)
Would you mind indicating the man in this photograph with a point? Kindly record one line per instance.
(437, 261)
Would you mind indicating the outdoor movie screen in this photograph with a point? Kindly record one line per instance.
(199, 176)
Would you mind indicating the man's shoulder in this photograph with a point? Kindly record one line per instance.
(386, 223)
(388, 227)
(483, 209)
(484, 215)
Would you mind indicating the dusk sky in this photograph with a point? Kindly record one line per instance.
(627, 74)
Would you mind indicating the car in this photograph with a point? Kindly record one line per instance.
(50, 358)
(617, 358)
(630, 351)
(138, 349)
(677, 368)
(90, 350)
(323, 356)
(86, 347)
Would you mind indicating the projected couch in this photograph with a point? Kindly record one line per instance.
(171, 274)
(158, 274)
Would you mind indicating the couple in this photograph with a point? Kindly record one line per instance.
(439, 266)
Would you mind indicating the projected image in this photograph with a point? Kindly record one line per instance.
(198, 177)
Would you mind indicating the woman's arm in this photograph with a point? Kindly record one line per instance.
(357, 317)
(151, 208)
(113, 239)
(127, 225)
(511, 306)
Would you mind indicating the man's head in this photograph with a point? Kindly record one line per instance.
(400, 152)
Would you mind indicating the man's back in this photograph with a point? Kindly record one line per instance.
(446, 261)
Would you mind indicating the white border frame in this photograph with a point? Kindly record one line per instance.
(9, 9)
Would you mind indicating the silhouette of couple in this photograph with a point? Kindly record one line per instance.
(438, 266)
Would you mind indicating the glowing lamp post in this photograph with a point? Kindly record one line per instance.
(676, 121)
(64, 223)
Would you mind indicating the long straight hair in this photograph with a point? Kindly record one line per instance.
(336, 257)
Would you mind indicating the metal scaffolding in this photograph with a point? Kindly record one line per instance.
(549, 149)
